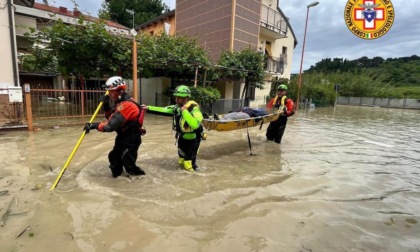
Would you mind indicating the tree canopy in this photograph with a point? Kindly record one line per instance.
(403, 71)
(144, 10)
(248, 64)
(86, 49)
(170, 56)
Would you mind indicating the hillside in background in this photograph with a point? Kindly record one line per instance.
(397, 72)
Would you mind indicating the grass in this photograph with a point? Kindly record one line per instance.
(412, 92)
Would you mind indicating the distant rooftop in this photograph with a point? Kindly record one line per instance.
(75, 14)
(156, 19)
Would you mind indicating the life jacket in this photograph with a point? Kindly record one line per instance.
(283, 104)
(132, 125)
(181, 126)
(140, 117)
(290, 105)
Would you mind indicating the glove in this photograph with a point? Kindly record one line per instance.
(143, 131)
(105, 101)
(190, 103)
(282, 110)
(89, 126)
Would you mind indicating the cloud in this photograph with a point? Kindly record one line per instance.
(328, 36)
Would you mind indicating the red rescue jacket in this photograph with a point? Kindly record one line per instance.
(282, 103)
(123, 118)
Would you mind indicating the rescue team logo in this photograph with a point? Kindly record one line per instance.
(369, 19)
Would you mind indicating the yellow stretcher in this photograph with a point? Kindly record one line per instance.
(223, 125)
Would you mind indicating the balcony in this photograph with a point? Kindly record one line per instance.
(273, 23)
(275, 65)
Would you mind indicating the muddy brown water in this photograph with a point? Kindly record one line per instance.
(343, 179)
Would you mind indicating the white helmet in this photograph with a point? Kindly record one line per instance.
(115, 83)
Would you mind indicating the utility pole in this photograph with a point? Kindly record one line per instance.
(134, 53)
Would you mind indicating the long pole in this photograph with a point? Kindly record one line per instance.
(196, 76)
(76, 147)
(135, 87)
(301, 60)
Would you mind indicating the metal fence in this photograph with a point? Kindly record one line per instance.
(52, 107)
(225, 105)
(379, 102)
(273, 20)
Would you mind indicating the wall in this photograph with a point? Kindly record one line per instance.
(152, 86)
(159, 27)
(379, 102)
(247, 24)
(6, 69)
(209, 21)
(22, 22)
(261, 95)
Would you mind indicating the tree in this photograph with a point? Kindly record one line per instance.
(205, 96)
(248, 64)
(84, 49)
(170, 56)
(144, 10)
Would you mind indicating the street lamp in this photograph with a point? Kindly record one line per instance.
(303, 51)
(131, 12)
(134, 33)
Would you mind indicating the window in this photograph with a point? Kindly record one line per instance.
(251, 92)
(268, 49)
(284, 50)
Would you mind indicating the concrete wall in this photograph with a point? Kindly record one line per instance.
(151, 91)
(380, 102)
(6, 47)
(260, 96)
(22, 22)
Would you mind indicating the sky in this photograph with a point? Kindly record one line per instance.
(327, 35)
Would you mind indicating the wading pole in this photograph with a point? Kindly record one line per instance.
(249, 139)
(76, 147)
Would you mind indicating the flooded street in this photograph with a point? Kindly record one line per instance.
(343, 179)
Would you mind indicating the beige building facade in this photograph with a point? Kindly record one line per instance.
(9, 73)
(15, 20)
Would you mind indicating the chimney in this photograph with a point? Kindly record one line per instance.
(63, 10)
(76, 13)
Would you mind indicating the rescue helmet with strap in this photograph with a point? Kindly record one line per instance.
(115, 83)
(182, 91)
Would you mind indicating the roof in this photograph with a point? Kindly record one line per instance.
(26, 3)
(156, 19)
(75, 14)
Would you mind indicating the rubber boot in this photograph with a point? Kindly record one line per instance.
(116, 170)
(188, 166)
(135, 171)
(181, 161)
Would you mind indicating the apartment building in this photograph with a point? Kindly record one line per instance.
(234, 25)
(238, 24)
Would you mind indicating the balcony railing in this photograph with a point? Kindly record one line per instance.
(276, 65)
(273, 20)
